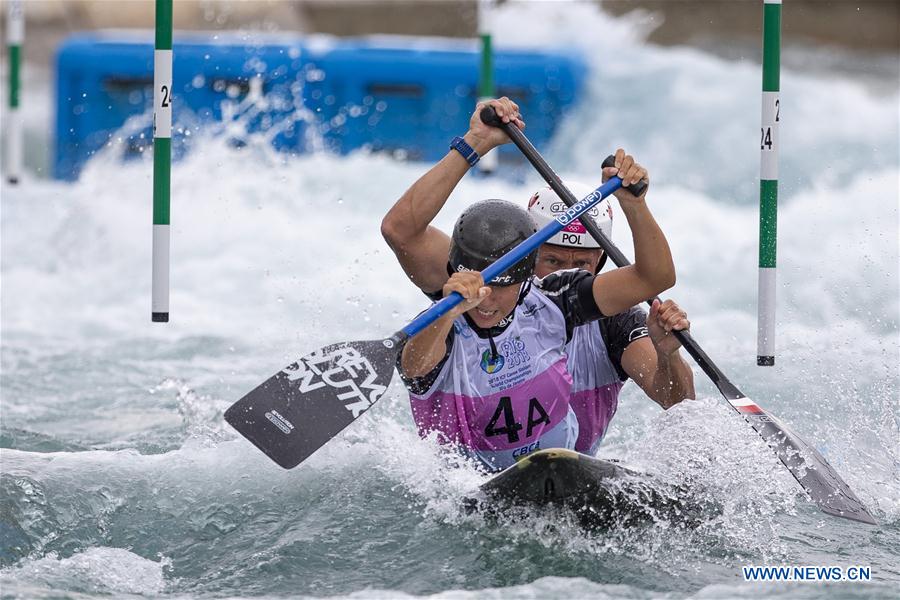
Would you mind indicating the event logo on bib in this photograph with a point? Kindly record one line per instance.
(510, 353)
(491, 366)
(515, 352)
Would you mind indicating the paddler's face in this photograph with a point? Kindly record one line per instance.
(552, 258)
(496, 306)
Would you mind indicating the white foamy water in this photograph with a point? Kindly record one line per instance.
(120, 477)
(98, 571)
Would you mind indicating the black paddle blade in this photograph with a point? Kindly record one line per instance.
(823, 484)
(299, 409)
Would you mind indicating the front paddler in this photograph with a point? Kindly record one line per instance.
(490, 377)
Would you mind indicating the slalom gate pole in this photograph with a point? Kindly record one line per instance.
(162, 159)
(768, 182)
(486, 89)
(15, 35)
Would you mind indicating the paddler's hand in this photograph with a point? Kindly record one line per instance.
(471, 286)
(664, 318)
(483, 137)
(630, 172)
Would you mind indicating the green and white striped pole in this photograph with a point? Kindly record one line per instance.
(162, 159)
(768, 181)
(15, 35)
(486, 90)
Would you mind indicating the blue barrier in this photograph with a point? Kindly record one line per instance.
(407, 96)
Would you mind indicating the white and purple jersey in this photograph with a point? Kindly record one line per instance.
(500, 407)
(595, 363)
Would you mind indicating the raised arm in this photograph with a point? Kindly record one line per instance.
(653, 270)
(421, 248)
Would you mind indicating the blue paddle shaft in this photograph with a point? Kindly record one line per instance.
(516, 254)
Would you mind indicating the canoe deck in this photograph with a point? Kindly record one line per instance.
(601, 493)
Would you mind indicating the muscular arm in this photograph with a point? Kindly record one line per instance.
(653, 270)
(666, 378)
(424, 351)
(420, 248)
(655, 362)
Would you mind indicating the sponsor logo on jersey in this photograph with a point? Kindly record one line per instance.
(637, 333)
(462, 329)
(506, 320)
(532, 309)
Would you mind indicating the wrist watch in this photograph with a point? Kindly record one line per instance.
(466, 150)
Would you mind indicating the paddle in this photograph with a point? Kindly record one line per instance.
(809, 468)
(299, 409)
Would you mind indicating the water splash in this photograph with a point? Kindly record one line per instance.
(112, 429)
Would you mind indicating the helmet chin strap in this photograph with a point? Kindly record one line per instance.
(600, 264)
(523, 291)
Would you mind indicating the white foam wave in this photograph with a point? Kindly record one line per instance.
(544, 587)
(93, 571)
(274, 256)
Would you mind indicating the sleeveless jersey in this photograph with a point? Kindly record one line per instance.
(595, 363)
(501, 408)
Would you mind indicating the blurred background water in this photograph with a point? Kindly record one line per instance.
(119, 476)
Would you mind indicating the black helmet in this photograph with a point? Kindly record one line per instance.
(486, 231)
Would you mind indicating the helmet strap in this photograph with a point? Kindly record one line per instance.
(601, 263)
(523, 291)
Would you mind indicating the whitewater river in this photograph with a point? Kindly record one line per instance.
(120, 477)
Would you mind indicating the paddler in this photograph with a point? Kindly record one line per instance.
(491, 375)
(605, 354)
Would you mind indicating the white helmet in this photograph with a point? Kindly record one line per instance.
(545, 206)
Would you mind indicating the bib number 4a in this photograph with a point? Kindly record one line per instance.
(511, 428)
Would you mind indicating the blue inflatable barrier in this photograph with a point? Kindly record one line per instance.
(407, 96)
